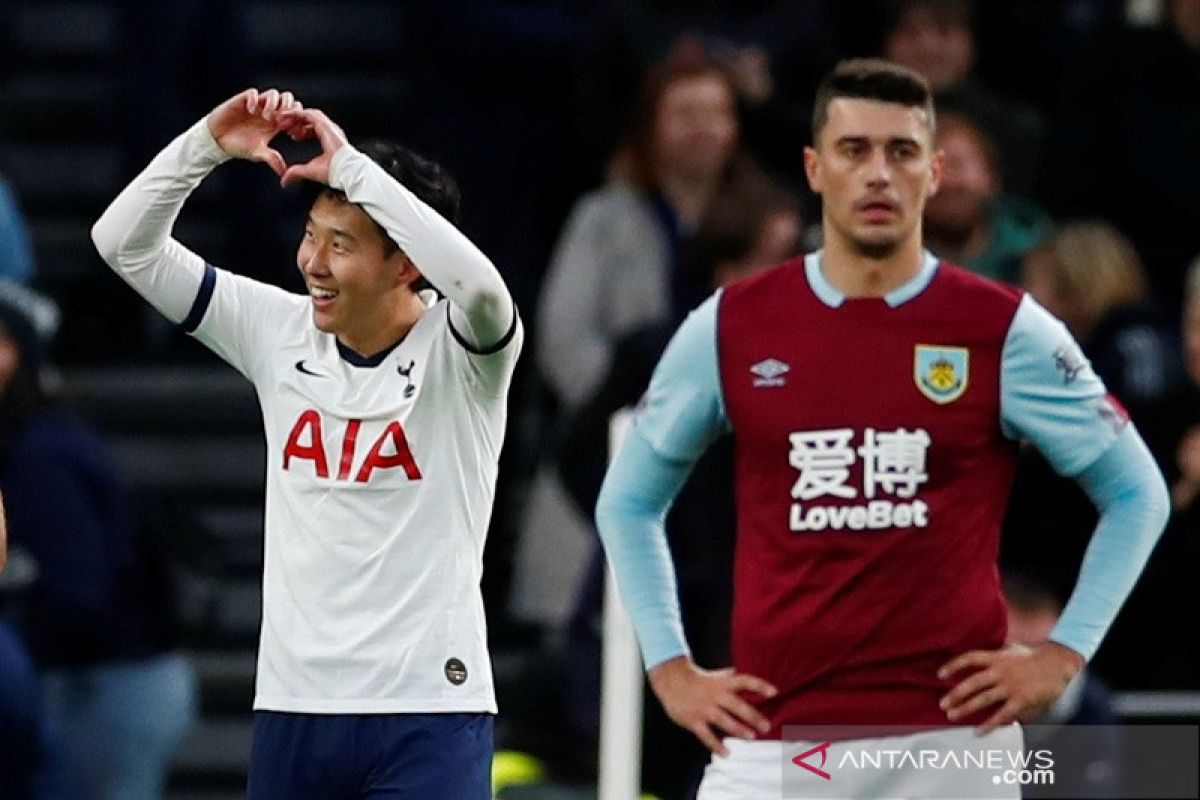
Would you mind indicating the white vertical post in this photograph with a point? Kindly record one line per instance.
(621, 677)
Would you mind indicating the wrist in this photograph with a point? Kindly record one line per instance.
(206, 141)
(1073, 661)
(668, 671)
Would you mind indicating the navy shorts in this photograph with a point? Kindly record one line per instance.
(348, 756)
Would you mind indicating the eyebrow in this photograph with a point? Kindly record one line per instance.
(867, 139)
(345, 234)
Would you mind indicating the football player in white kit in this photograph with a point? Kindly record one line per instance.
(384, 413)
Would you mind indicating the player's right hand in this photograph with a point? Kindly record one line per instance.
(706, 702)
(245, 124)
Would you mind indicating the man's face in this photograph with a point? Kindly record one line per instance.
(874, 166)
(968, 184)
(351, 277)
(696, 127)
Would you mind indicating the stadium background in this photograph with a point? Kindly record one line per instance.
(523, 101)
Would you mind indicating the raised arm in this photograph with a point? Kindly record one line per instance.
(133, 234)
(481, 307)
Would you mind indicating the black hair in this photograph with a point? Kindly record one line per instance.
(872, 79)
(425, 178)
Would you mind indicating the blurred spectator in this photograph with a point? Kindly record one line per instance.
(1087, 760)
(776, 52)
(971, 221)
(21, 724)
(744, 230)
(96, 613)
(1088, 275)
(21, 732)
(617, 267)
(16, 255)
(1120, 151)
(937, 39)
(1186, 490)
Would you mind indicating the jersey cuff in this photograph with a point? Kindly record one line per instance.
(486, 351)
(203, 298)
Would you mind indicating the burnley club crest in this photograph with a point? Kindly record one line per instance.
(941, 372)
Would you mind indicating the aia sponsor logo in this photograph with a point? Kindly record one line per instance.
(390, 450)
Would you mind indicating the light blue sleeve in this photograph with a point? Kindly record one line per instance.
(1132, 497)
(1050, 395)
(682, 415)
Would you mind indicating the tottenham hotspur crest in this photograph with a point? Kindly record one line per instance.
(941, 372)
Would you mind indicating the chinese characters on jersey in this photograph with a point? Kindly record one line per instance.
(893, 463)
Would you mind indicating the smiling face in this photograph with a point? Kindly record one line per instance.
(355, 278)
(874, 166)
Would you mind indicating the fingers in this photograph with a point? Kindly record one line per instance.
(272, 159)
(969, 686)
(298, 172)
(736, 719)
(750, 683)
(1006, 715)
(328, 133)
(748, 713)
(975, 658)
(980, 701)
(708, 738)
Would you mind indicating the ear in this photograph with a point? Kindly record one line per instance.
(812, 168)
(935, 172)
(408, 272)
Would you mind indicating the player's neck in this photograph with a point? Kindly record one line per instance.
(390, 325)
(858, 274)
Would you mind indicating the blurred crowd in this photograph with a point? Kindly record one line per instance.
(619, 161)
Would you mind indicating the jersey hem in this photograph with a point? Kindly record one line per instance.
(300, 705)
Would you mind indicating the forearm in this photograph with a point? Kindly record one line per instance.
(1129, 491)
(630, 516)
(444, 256)
(133, 234)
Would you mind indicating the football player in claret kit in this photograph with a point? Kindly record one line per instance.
(876, 398)
(384, 411)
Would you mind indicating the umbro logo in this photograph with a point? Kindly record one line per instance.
(301, 368)
(769, 373)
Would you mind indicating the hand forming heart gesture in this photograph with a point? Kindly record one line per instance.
(245, 124)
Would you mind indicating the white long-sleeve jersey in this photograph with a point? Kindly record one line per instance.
(381, 472)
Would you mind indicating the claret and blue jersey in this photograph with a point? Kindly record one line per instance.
(875, 444)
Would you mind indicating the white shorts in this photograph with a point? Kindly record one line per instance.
(948, 763)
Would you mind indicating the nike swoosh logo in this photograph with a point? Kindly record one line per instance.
(300, 367)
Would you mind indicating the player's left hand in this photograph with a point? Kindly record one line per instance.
(307, 123)
(1021, 680)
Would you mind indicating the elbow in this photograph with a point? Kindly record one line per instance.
(1159, 502)
(607, 513)
(107, 239)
